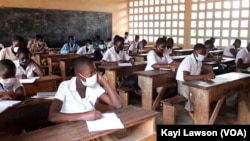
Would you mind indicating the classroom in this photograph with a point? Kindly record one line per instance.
(108, 70)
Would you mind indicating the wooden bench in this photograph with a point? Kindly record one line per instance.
(169, 108)
(124, 92)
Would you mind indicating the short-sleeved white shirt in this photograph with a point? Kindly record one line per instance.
(72, 101)
(17, 84)
(227, 51)
(188, 64)
(133, 47)
(111, 55)
(29, 71)
(82, 50)
(153, 58)
(244, 55)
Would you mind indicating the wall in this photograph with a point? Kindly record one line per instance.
(118, 8)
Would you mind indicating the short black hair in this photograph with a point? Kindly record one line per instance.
(161, 41)
(71, 36)
(38, 36)
(145, 41)
(117, 39)
(126, 33)
(171, 40)
(82, 61)
(18, 38)
(237, 41)
(209, 42)
(23, 50)
(7, 64)
(199, 46)
(137, 36)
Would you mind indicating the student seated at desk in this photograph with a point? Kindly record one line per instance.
(232, 50)
(158, 58)
(170, 46)
(10, 87)
(209, 47)
(70, 47)
(243, 58)
(190, 69)
(86, 48)
(37, 44)
(75, 98)
(10, 52)
(135, 48)
(25, 66)
(115, 54)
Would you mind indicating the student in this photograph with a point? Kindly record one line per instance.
(75, 99)
(10, 87)
(190, 69)
(10, 52)
(232, 50)
(209, 47)
(135, 48)
(86, 48)
(102, 46)
(158, 58)
(164, 37)
(115, 54)
(25, 66)
(213, 40)
(70, 47)
(126, 38)
(243, 58)
(97, 53)
(170, 46)
(37, 44)
(108, 43)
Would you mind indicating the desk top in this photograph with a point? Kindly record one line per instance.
(219, 80)
(78, 130)
(114, 67)
(183, 50)
(152, 73)
(48, 78)
(223, 61)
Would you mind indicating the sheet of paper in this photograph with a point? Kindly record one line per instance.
(45, 95)
(124, 64)
(5, 104)
(29, 80)
(107, 122)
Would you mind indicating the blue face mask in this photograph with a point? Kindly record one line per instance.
(101, 46)
(72, 41)
(200, 57)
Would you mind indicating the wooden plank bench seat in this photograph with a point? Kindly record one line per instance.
(124, 92)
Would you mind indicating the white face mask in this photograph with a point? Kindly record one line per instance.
(7, 82)
(15, 49)
(90, 81)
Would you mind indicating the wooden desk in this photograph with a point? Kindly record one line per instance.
(114, 71)
(139, 126)
(202, 94)
(209, 66)
(140, 57)
(218, 52)
(43, 84)
(178, 58)
(32, 113)
(183, 52)
(148, 80)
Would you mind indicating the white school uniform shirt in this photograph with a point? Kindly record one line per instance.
(29, 71)
(111, 55)
(17, 84)
(153, 58)
(72, 101)
(133, 47)
(227, 51)
(188, 64)
(244, 55)
(82, 50)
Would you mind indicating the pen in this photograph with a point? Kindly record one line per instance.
(92, 105)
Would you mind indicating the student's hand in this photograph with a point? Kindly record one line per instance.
(22, 76)
(6, 96)
(218, 59)
(210, 75)
(93, 115)
(100, 78)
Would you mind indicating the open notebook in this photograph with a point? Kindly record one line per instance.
(5, 104)
(47, 95)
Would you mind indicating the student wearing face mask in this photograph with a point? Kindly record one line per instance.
(25, 66)
(116, 54)
(76, 98)
(135, 48)
(37, 44)
(70, 47)
(10, 52)
(190, 69)
(170, 46)
(10, 87)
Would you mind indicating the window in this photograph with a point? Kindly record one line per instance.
(159, 18)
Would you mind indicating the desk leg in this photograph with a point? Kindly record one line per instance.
(63, 69)
(111, 75)
(146, 85)
(243, 109)
(201, 106)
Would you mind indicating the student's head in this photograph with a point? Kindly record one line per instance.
(116, 36)
(119, 43)
(71, 39)
(165, 37)
(170, 43)
(39, 37)
(108, 39)
(23, 55)
(142, 43)
(137, 38)
(101, 42)
(199, 52)
(85, 71)
(209, 44)
(7, 69)
(212, 39)
(161, 44)
(237, 43)
(126, 33)
(17, 41)
(88, 42)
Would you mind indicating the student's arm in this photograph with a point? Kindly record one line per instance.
(242, 65)
(64, 49)
(173, 65)
(57, 117)
(38, 70)
(188, 77)
(111, 97)
(18, 94)
(233, 51)
(210, 57)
